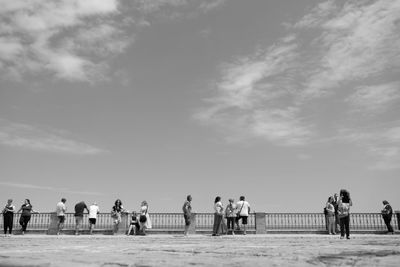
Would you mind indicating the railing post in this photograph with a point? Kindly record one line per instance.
(397, 212)
(53, 225)
(261, 223)
(192, 227)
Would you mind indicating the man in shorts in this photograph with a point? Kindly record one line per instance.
(79, 209)
(93, 211)
(187, 213)
(244, 209)
(60, 210)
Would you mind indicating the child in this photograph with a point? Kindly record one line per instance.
(134, 224)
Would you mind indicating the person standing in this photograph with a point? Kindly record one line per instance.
(79, 210)
(344, 205)
(187, 213)
(144, 218)
(387, 213)
(8, 217)
(218, 214)
(244, 209)
(230, 214)
(330, 209)
(116, 213)
(336, 206)
(61, 209)
(27, 210)
(93, 211)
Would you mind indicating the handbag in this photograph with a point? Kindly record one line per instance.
(238, 214)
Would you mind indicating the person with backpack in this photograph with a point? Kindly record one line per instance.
(387, 213)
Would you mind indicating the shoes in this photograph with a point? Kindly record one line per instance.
(341, 237)
(347, 237)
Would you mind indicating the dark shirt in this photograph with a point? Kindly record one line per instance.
(187, 208)
(79, 208)
(26, 210)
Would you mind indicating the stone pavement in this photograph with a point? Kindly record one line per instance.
(200, 250)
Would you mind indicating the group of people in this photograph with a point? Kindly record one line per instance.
(234, 212)
(26, 210)
(138, 224)
(337, 212)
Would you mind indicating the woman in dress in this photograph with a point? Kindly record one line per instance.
(27, 210)
(8, 216)
(144, 218)
(218, 214)
(116, 212)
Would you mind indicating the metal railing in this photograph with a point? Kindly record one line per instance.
(204, 221)
(316, 221)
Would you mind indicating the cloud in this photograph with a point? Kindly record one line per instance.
(211, 4)
(374, 99)
(49, 188)
(353, 42)
(382, 144)
(70, 39)
(340, 55)
(24, 136)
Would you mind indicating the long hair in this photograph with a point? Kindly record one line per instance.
(28, 201)
(345, 196)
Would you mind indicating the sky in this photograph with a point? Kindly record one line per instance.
(285, 102)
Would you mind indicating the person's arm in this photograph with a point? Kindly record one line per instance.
(19, 210)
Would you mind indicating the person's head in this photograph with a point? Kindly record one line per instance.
(335, 195)
(385, 202)
(330, 199)
(217, 199)
(63, 200)
(94, 203)
(344, 195)
(241, 198)
(189, 198)
(144, 203)
(118, 202)
(9, 201)
(133, 213)
(27, 202)
(231, 200)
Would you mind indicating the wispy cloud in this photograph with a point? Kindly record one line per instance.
(353, 41)
(49, 188)
(374, 99)
(383, 144)
(70, 39)
(340, 55)
(24, 136)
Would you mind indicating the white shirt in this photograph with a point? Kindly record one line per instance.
(61, 209)
(245, 210)
(93, 210)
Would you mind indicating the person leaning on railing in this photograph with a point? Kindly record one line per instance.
(387, 213)
(27, 210)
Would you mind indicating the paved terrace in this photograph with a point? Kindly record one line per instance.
(200, 250)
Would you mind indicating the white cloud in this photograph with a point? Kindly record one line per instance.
(356, 41)
(374, 99)
(382, 144)
(49, 188)
(28, 137)
(48, 37)
(254, 98)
